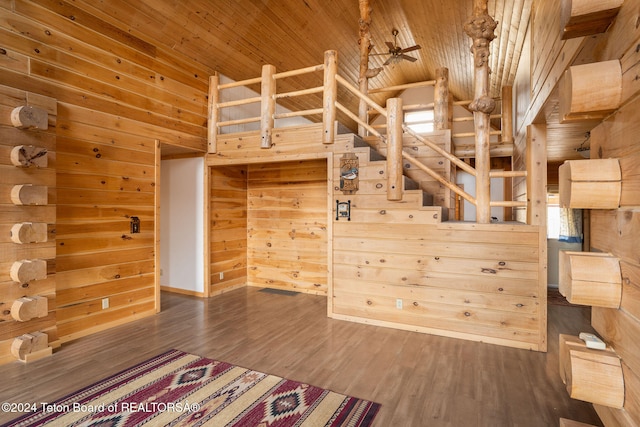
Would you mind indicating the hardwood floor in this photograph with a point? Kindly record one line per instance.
(420, 380)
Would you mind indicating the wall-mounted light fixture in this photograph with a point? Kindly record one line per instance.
(343, 210)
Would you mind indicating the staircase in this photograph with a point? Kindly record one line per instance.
(370, 203)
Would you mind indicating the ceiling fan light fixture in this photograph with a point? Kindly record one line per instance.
(397, 53)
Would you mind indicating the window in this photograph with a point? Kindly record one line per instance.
(419, 121)
(553, 216)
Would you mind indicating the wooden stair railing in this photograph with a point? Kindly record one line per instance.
(394, 138)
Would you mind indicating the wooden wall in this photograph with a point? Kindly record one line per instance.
(103, 181)
(618, 231)
(118, 93)
(287, 226)
(228, 228)
(456, 279)
(11, 214)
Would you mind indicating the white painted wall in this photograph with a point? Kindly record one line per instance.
(497, 193)
(182, 206)
(249, 110)
(182, 224)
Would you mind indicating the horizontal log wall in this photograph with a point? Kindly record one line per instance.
(616, 231)
(11, 214)
(117, 93)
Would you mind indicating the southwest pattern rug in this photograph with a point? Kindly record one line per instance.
(182, 389)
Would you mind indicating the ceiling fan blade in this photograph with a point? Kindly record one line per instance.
(388, 61)
(412, 48)
(408, 58)
(390, 45)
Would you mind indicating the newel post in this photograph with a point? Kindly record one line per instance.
(212, 122)
(481, 29)
(394, 148)
(330, 95)
(268, 105)
(442, 108)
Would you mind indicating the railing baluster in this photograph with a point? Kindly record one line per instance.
(268, 105)
(330, 95)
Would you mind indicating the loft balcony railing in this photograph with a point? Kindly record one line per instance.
(396, 129)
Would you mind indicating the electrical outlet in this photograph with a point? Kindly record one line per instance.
(399, 304)
(105, 303)
(222, 275)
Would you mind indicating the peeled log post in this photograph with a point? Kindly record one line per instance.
(268, 105)
(365, 73)
(442, 100)
(394, 149)
(330, 95)
(480, 28)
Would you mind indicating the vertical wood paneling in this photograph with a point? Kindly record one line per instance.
(287, 226)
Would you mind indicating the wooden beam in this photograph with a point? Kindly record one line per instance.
(582, 99)
(28, 155)
(481, 29)
(537, 175)
(30, 117)
(590, 184)
(587, 17)
(29, 232)
(27, 194)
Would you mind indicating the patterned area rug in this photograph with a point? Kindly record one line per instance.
(181, 389)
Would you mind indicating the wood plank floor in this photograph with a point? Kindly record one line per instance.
(420, 380)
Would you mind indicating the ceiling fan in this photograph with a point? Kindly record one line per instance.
(397, 54)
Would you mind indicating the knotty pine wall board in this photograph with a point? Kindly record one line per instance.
(118, 93)
(454, 279)
(302, 142)
(11, 214)
(228, 228)
(35, 18)
(286, 221)
(84, 284)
